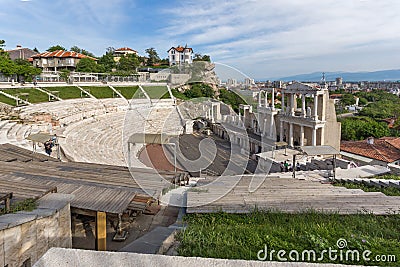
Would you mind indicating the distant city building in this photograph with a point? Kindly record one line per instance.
(21, 53)
(180, 55)
(231, 83)
(120, 52)
(248, 83)
(339, 81)
(57, 60)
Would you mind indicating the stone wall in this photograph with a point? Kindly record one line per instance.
(26, 236)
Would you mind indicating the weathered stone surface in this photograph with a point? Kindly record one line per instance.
(2, 263)
(26, 236)
(71, 257)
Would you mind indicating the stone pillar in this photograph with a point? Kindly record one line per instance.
(273, 99)
(281, 132)
(314, 137)
(212, 113)
(266, 99)
(303, 105)
(290, 143)
(301, 135)
(322, 136)
(323, 113)
(271, 125)
(259, 98)
(283, 102)
(315, 107)
(292, 99)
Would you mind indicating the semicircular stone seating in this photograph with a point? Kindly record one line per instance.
(95, 130)
(103, 139)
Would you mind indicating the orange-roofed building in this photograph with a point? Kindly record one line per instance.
(58, 60)
(382, 151)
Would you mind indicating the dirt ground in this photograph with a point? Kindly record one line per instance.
(83, 228)
(154, 156)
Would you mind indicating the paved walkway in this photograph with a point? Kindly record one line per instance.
(237, 194)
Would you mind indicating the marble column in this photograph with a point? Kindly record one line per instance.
(266, 99)
(315, 107)
(273, 99)
(314, 137)
(303, 105)
(301, 135)
(290, 135)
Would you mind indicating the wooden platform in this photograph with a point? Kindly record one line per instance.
(96, 187)
(10, 153)
(288, 195)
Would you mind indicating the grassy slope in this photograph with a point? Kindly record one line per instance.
(35, 96)
(238, 236)
(127, 91)
(66, 92)
(100, 91)
(7, 100)
(156, 92)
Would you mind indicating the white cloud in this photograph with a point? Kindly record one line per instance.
(288, 30)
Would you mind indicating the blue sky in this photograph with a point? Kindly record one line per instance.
(262, 38)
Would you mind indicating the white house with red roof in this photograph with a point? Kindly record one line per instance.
(180, 55)
(54, 61)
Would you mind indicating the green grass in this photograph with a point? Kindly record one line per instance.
(7, 100)
(25, 205)
(387, 176)
(389, 191)
(128, 92)
(242, 236)
(66, 92)
(100, 91)
(155, 92)
(35, 96)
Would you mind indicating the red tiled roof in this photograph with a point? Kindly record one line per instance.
(386, 149)
(61, 54)
(122, 49)
(181, 48)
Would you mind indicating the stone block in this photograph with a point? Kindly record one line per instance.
(12, 245)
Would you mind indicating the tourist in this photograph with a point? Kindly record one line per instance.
(286, 164)
(298, 166)
(47, 147)
(282, 166)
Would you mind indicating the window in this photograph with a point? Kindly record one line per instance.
(173, 58)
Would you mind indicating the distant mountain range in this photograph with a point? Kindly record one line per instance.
(382, 75)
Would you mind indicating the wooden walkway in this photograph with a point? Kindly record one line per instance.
(10, 153)
(96, 187)
(288, 195)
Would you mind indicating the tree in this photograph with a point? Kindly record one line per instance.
(2, 44)
(152, 55)
(128, 63)
(199, 57)
(82, 51)
(110, 50)
(24, 70)
(36, 50)
(363, 127)
(107, 61)
(87, 65)
(56, 48)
